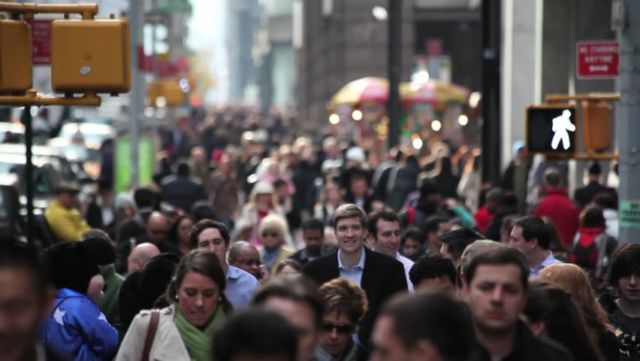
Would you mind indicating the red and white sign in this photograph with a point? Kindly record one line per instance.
(597, 59)
(41, 41)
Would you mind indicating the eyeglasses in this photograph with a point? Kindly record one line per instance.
(343, 329)
(270, 234)
(249, 262)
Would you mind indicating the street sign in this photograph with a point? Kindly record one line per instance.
(551, 129)
(41, 41)
(630, 214)
(174, 6)
(597, 59)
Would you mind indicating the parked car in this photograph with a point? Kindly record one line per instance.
(90, 135)
(68, 170)
(11, 132)
(45, 178)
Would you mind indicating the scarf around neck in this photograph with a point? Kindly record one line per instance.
(198, 342)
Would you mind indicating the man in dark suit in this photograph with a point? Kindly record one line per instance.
(379, 275)
(584, 195)
(181, 191)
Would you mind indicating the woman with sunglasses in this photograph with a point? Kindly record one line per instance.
(272, 232)
(344, 306)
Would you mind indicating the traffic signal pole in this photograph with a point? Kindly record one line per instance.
(28, 171)
(491, 37)
(394, 69)
(136, 97)
(628, 114)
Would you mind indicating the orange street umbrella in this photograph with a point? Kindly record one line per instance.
(435, 92)
(368, 89)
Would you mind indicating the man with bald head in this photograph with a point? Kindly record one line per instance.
(156, 231)
(140, 255)
(245, 256)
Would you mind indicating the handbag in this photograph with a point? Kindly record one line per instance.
(151, 334)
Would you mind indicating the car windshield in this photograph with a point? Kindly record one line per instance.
(45, 178)
(90, 133)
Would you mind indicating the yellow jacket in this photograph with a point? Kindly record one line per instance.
(66, 224)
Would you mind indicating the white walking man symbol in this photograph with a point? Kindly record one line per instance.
(561, 126)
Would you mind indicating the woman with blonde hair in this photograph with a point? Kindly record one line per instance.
(262, 202)
(273, 232)
(574, 280)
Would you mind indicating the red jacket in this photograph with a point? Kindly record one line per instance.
(482, 217)
(561, 210)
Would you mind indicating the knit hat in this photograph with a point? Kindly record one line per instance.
(70, 265)
(356, 154)
(263, 187)
(517, 145)
(123, 200)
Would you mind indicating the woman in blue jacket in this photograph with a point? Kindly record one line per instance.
(76, 328)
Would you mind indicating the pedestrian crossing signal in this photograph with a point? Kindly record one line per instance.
(551, 129)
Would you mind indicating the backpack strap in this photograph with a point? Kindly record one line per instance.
(151, 334)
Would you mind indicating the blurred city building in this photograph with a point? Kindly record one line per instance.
(243, 22)
(274, 56)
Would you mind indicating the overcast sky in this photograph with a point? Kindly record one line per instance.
(207, 32)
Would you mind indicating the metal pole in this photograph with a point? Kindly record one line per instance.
(136, 98)
(394, 69)
(491, 23)
(28, 171)
(628, 112)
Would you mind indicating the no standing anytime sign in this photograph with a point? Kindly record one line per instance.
(597, 59)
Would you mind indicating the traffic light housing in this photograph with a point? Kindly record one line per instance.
(169, 90)
(551, 129)
(15, 57)
(597, 126)
(90, 55)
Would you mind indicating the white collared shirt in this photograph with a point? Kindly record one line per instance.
(407, 264)
(533, 271)
(354, 273)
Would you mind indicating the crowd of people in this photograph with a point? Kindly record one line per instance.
(286, 248)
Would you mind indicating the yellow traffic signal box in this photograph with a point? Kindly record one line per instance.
(597, 126)
(168, 90)
(90, 55)
(15, 56)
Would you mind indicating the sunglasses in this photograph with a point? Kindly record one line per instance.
(268, 234)
(249, 262)
(343, 329)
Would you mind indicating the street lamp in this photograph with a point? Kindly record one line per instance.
(357, 115)
(380, 13)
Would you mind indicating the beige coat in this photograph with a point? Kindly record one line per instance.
(167, 344)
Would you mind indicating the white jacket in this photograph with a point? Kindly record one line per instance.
(167, 343)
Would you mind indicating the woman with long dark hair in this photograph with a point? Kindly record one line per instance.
(551, 313)
(574, 280)
(197, 308)
(179, 232)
